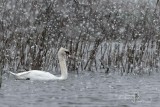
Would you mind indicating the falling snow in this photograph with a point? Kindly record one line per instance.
(115, 31)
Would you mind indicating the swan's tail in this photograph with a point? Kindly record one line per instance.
(19, 75)
(12, 73)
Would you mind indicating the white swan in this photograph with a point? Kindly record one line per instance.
(42, 75)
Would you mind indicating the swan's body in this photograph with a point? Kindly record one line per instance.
(36, 75)
(42, 75)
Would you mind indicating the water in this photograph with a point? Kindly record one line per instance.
(83, 90)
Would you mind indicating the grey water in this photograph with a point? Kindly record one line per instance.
(83, 90)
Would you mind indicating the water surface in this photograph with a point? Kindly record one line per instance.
(83, 90)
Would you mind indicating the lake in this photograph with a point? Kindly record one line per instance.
(83, 90)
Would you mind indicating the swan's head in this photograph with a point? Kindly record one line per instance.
(63, 53)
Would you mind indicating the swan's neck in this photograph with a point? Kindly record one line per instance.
(63, 67)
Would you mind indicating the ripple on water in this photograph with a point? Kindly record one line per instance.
(91, 89)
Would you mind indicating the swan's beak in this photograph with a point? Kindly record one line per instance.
(67, 52)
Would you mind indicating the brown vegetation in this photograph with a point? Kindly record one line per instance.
(109, 35)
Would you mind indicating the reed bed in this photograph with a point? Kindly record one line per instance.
(107, 36)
